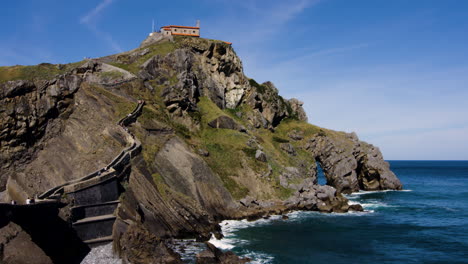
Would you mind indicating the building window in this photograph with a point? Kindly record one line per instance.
(175, 29)
(194, 32)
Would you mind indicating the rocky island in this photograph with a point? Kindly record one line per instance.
(159, 143)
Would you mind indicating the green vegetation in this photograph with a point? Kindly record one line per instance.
(203, 43)
(280, 140)
(208, 110)
(122, 105)
(226, 148)
(126, 63)
(259, 87)
(250, 152)
(161, 185)
(289, 124)
(43, 71)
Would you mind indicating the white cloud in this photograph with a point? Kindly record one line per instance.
(93, 13)
(89, 20)
(255, 21)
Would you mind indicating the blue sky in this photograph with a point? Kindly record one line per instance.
(395, 72)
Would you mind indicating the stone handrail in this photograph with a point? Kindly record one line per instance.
(119, 162)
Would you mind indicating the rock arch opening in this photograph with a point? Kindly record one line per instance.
(321, 179)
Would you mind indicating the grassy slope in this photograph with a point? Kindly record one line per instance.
(44, 71)
(229, 153)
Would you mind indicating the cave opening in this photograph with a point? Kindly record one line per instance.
(321, 180)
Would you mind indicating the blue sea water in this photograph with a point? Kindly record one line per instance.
(426, 223)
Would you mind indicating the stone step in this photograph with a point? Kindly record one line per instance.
(94, 219)
(104, 190)
(86, 211)
(98, 204)
(100, 240)
(94, 227)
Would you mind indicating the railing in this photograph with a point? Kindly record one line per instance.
(118, 163)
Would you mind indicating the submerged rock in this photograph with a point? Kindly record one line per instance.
(213, 255)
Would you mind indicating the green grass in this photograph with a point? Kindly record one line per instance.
(259, 87)
(121, 105)
(161, 185)
(228, 148)
(280, 139)
(161, 48)
(250, 152)
(225, 146)
(208, 110)
(288, 125)
(44, 71)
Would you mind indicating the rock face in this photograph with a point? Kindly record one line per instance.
(350, 165)
(206, 69)
(321, 198)
(215, 145)
(188, 174)
(15, 241)
(139, 246)
(26, 107)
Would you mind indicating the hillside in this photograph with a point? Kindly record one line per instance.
(215, 144)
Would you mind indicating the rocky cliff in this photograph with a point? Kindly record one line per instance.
(215, 144)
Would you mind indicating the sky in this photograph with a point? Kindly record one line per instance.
(395, 72)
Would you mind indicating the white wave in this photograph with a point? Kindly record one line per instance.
(102, 255)
(305, 215)
(259, 258)
(361, 192)
(230, 226)
(224, 243)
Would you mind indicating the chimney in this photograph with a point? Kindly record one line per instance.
(198, 23)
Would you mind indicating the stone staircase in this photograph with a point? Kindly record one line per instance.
(96, 195)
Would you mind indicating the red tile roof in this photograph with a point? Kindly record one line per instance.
(172, 26)
(182, 34)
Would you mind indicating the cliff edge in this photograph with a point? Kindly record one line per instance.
(215, 144)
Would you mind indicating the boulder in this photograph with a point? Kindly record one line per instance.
(356, 207)
(296, 106)
(288, 148)
(226, 123)
(213, 255)
(260, 156)
(137, 245)
(203, 152)
(249, 201)
(296, 135)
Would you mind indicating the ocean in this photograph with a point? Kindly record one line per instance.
(425, 223)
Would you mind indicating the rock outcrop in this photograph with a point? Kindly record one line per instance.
(215, 145)
(351, 165)
(227, 123)
(213, 255)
